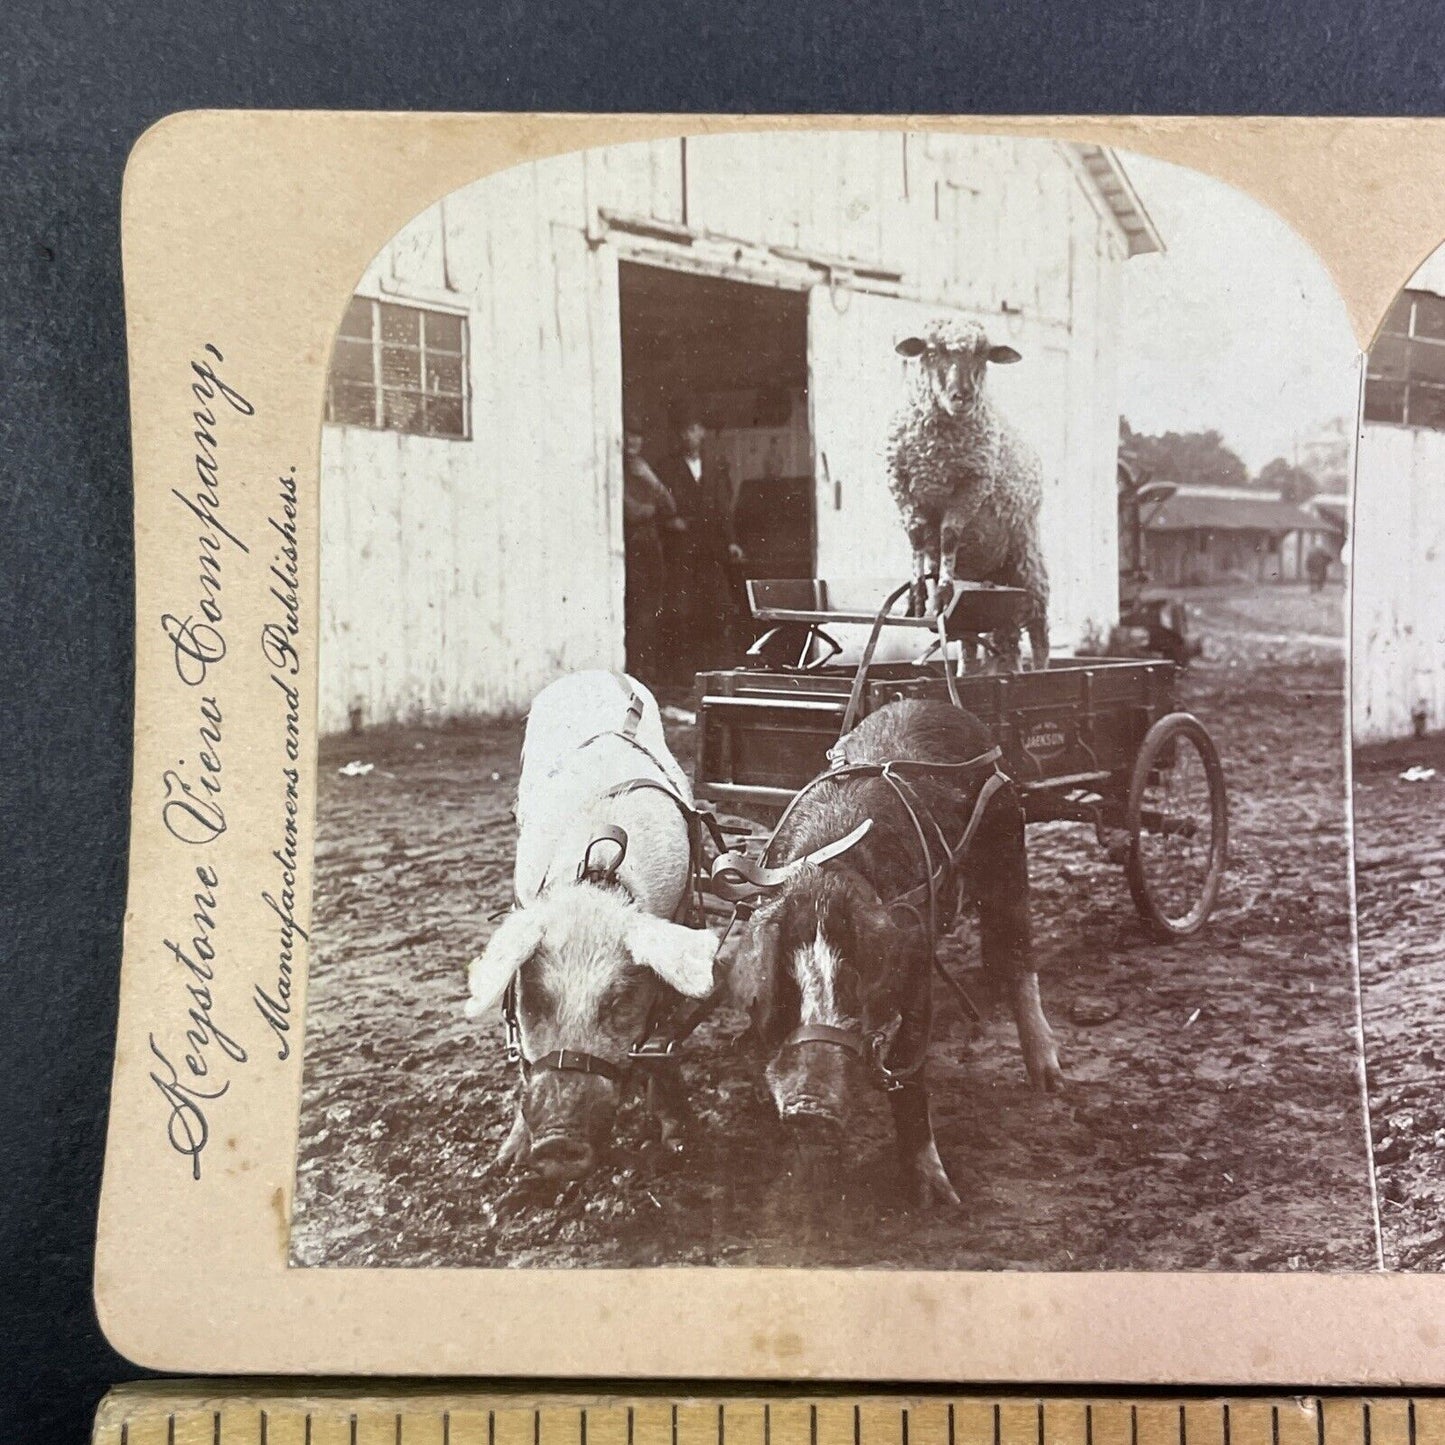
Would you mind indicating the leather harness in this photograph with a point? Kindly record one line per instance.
(741, 880)
(649, 1047)
(932, 903)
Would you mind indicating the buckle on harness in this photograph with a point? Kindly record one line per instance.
(650, 1050)
(886, 1079)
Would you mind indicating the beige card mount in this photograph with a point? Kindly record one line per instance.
(383, 369)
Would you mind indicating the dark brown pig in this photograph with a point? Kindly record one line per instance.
(830, 965)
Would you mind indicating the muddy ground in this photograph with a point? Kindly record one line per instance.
(1400, 883)
(1213, 1115)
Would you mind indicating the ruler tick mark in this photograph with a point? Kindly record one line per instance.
(674, 1427)
(1040, 1416)
(1133, 1425)
(1227, 1424)
(582, 1425)
(353, 1428)
(1410, 1422)
(1274, 1425)
(1319, 1421)
(1183, 1432)
(950, 1423)
(857, 1426)
(492, 1427)
(1367, 1422)
(446, 1427)
(398, 1427)
(812, 1425)
(1088, 1425)
(767, 1425)
(721, 1425)
(997, 1426)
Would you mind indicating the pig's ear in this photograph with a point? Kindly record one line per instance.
(751, 977)
(1003, 355)
(681, 957)
(911, 346)
(511, 946)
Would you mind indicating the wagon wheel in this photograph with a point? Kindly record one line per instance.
(1178, 823)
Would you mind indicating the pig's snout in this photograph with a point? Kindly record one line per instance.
(570, 1118)
(811, 1085)
(561, 1157)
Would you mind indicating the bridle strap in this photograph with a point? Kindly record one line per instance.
(850, 1039)
(573, 1061)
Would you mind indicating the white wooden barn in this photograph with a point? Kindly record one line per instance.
(1398, 568)
(472, 534)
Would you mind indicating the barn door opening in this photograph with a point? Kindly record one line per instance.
(738, 355)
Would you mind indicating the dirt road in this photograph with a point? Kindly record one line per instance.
(1213, 1116)
(1400, 883)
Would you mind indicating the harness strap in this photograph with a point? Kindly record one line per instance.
(635, 708)
(860, 678)
(849, 1039)
(608, 833)
(736, 877)
(697, 822)
(647, 1048)
(650, 1047)
(572, 1061)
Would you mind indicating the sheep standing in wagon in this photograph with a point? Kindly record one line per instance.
(968, 486)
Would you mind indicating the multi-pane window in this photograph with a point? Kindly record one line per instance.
(1405, 378)
(400, 368)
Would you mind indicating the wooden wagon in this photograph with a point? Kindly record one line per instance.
(1100, 742)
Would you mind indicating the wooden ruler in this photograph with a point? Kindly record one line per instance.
(201, 1413)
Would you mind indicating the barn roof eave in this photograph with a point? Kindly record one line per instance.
(1141, 236)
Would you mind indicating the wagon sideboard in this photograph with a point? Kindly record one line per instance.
(1078, 724)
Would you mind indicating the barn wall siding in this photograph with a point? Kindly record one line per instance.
(460, 577)
(1398, 572)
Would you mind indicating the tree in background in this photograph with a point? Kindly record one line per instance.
(1294, 484)
(1196, 459)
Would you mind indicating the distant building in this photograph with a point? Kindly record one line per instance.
(1200, 535)
(1333, 508)
(1398, 569)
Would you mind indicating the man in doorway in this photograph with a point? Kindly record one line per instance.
(701, 614)
(648, 512)
(1317, 567)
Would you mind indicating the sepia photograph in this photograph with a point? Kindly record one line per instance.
(1398, 698)
(833, 717)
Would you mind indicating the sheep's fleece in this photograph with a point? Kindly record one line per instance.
(969, 475)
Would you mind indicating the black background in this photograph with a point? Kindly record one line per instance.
(78, 83)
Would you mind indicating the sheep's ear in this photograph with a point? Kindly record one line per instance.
(518, 938)
(911, 346)
(1003, 355)
(681, 957)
